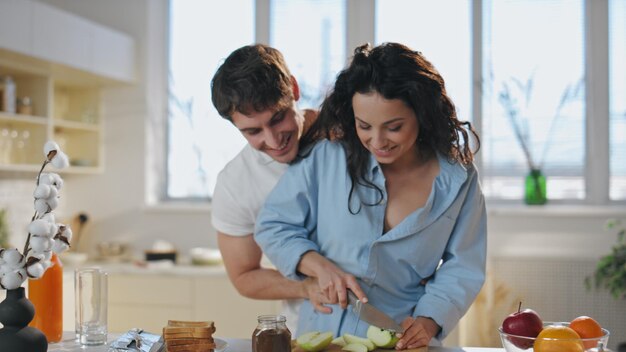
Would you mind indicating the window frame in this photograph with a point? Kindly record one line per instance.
(360, 21)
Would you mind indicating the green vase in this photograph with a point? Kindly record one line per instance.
(535, 188)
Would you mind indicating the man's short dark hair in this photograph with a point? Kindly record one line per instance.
(252, 78)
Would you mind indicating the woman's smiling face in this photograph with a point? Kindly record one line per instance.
(387, 128)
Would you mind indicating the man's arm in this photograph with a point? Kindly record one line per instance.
(242, 259)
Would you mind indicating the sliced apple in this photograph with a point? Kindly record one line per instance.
(363, 341)
(315, 341)
(382, 337)
(339, 341)
(355, 347)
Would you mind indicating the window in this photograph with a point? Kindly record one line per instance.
(521, 69)
(200, 142)
(531, 83)
(617, 96)
(411, 22)
(313, 44)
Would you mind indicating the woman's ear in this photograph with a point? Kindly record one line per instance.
(295, 88)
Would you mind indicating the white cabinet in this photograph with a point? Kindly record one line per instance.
(15, 25)
(148, 299)
(112, 53)
(59, 36)
(44, 32)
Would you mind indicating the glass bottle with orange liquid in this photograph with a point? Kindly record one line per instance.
(46, 294)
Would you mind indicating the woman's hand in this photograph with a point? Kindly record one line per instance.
(332, 281)
(417, 332)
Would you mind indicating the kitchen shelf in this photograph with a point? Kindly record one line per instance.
(19, 118)
(69, 114)
(62, 62)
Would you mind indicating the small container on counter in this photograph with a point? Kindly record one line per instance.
(271, 334)
(7, 94)
(24, 106)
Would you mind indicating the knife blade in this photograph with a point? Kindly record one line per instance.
(372, 315)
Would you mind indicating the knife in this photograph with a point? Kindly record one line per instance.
(372, 315)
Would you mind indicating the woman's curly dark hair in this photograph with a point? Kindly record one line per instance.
(395, 72)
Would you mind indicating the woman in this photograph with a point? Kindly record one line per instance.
(390, 208)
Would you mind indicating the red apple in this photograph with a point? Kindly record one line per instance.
(522, 323)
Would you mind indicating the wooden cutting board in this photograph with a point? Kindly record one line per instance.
(335, 348)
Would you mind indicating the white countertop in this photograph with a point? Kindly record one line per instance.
(69, 344)
(142, 268)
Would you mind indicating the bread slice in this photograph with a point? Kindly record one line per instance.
(205, 347)
(190, 324)
(176, 342)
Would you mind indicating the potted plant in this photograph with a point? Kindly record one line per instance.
(610, 273)
(610, 270)
(45, 238)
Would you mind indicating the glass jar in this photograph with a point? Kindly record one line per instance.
(271, 334)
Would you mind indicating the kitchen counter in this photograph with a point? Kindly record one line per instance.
(147, 297)
(154, 269)
(69, 344)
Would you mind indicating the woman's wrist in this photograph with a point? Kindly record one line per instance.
(309, 264)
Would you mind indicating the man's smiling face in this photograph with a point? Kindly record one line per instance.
(275, 131)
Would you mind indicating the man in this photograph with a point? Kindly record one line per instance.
(254, 90)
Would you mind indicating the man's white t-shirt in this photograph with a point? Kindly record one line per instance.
(240, 192)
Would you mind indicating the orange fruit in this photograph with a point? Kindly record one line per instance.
(558, 338)
(587, 328)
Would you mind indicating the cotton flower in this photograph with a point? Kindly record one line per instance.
(12, 257)
(51, 179)
(40, 244)
(12, 280)
(50, 147)
(42, 191)
(42, 227)
(60, 161)
(47, 192)
(45, 236)
(35, 271)
(55, 156)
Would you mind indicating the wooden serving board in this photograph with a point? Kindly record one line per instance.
(335, 348)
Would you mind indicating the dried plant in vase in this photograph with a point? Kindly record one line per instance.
(515, 98)
(45, 235)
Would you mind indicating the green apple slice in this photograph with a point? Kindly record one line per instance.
(382, 337)
(314, 341)
(355, 347)
(339, 341)
(363, 341)
(306, 337)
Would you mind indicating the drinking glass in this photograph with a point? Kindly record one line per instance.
(90, 285)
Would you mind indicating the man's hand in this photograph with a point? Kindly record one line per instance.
(333, 282)
(417, 332)
(316, 297)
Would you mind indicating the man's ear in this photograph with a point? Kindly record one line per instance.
(295, 88)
